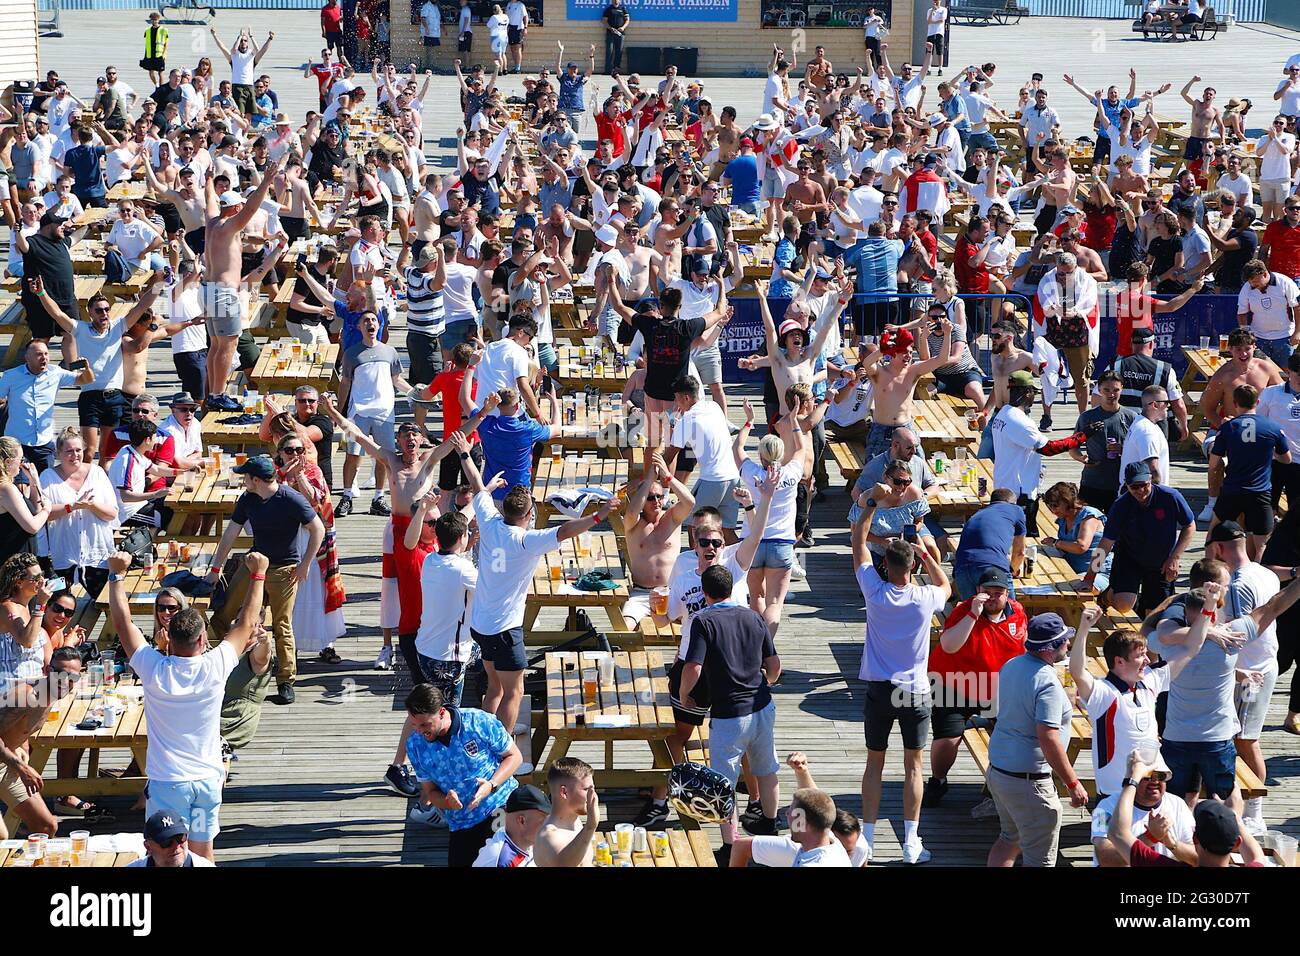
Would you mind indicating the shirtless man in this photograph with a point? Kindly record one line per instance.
(410, 475)
(1058, 192)
(788, 353)
(1244, 368)
(806, 199)
(893, 383)
(728, 140)
(24, 710)
(563, 840)
(654, 535)
(425, 210)
(1204, 115)
(642, 263)
(1006, 357)
(190, 203)
(228, 215)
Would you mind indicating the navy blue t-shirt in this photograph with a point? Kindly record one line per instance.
(1249, 442)
(88, 179)
(743, 173)
(275, 522)
(987, 537)
(1147, 534)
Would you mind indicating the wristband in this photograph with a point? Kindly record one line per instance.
(748, 508)
(464, 456)
(1071, 784)
(1210, 614)
(117, 577)
(1129, 782)
(257, 577)
(67, 509)
(38, 609)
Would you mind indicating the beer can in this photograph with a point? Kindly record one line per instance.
(660, 844)
(983, 486)
(603, 857)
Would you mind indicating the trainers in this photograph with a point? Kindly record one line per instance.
(915, 853)
(1045, 423)
(986, 809)
(401, 781)
(380, 506)
(344, 507)
(797, 572)
(224, 403)
(753, 811)
(384, 662)
(429, 815)
(934, 792)
(652, 816)
(1207, 513)
(763, 826)
(285, 695)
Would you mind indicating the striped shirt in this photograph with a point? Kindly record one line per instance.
(425, 311)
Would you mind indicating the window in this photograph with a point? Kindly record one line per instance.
(787, 14)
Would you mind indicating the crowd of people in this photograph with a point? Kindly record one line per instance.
(631, 215)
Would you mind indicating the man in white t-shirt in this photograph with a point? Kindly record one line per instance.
(1159, 818)
(811, 843)
(702, 427)
(505, 364)
(183, 692)
(1236, 181)
(511, 845)
(1266, 305)
(894, 658)
(516, 29)
(1145, 441)
(184, 427)
(1274, 150)
(430, 32)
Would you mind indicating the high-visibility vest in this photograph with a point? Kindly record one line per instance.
(155, 42)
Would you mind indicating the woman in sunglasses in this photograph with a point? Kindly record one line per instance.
(23, 511)
(899, 512)
(23, 596)
(318, 609)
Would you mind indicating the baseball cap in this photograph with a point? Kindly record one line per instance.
(995, 578)
(1023, 379)
(896, 342)
(227, 140)
(931, 159)
(1226, 531)
(789, 325)
(696, 265)
(746, 143)
(527, 797)
(1046, 629)
(822, 274)
(164, 825)
(1137, 471)
(571, 65)
(1217, 828)
(229, 199)
(1143, 335)
(52, 219)
(427, 255)
(259, 466)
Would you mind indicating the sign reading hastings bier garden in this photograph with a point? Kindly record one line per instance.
(716, 11)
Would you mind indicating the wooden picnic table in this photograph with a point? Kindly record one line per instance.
(277, 370)
(128, 189)
(757, 262)
(201, 494)
(635, 703)
(602, 430)
(958, 500)
(574, 472)
(61, 733)
(555, 574)
(577, 372)
(237, 437)
(941, 425)
(688, 848)
(1055, 586)
(1201, 366)
(142, 584)
(13, 856)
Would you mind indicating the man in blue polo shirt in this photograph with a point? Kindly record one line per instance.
(876, 260)
(28, 393)
(994, 537)
(465, 763)
(1251, 443)
(1149, 527)
(508, 439)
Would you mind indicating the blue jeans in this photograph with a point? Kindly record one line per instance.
(1212, 763)
(1279, 350)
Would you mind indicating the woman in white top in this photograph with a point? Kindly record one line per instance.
(845, 226)
(498, 29)
(769, 573)
(83, 514)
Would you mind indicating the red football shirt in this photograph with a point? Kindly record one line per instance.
(970, 278)
(448, 385)
(1283, 248)
(331, 19)
(989, 646)
(163, 454)
(1133, 310)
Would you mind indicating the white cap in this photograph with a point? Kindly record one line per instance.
(607, 234)
(230, 198)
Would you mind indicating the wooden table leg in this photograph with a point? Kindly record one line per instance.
(531, 610)
(616, 619)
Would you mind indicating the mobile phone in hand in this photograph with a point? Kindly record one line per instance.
(78, 365)
(909, 533)
(56, 584)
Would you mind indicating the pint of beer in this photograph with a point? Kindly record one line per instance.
(659, 602)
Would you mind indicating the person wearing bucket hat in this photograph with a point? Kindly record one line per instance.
(1028, 745)
(1163, 817)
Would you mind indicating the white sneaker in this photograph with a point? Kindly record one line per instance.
(986, 809)
(915, 853)
(797, 572)
(384, 662)
(430, 815)
(1207, 513)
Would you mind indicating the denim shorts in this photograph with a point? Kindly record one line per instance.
(546, 356)
(718, 494)
(1213, 763)
(774, 554)
(504, 651)
(197, 802)
(731, 738)
(457, 332)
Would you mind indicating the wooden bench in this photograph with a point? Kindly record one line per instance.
(14, 321)
(987, 12)
(849, 457)
(1210, 26)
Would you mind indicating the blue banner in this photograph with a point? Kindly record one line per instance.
(743, 336)
(677, 11)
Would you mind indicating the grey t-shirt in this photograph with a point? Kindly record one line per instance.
(1028, 695)
(873, 472)
(1105, 473)
(371, 369)
(1201, 697)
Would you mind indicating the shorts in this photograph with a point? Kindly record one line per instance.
(884, 704)
(197, 802)
(694, 716)
(314, 334)
(955, 383)
(13, 792)
(1274, 191)
(731, 738)
(1212, 764)
(197, 239)
(774, 554)
(708, 363)
(382, 431)
(872, 317)
(504, 651)
(242, 94)
(637, 607)
(447, 676)
(156, 63)
(880, 438)
(547, 357)
(247, 351)
(948, 723)
(718, 494)
(1255, 506)
(101, 408)
(450, 475)
(465, 42)
(608, 321)
(1029, 812)
(425, 352)
(432, 41)
(498, 44)
(225, 314)
(457, 332)
(1079, 360)
(981, 140)
(514, 35)
(1251, 713)
(772, 187)
(1128, 577)
(1195, 148)
(295, 227)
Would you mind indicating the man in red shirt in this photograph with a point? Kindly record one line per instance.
(331, 25)
(326, 72)
(1280, 245)
(968, 257)
(611, 125)
(163, 454)
(979, 636)
(1135, 306)
(1218, 833)
(448, 384)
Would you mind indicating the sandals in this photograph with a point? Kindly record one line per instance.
(84, 809)
(329, 656)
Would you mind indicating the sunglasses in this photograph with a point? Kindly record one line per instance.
(166, 608)
(889, 203)
(662, 497)
(293, 451)
(59, 609)
(712, 543)
(306, 401)
(900, 482)
(173, 842)
(100, 309)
